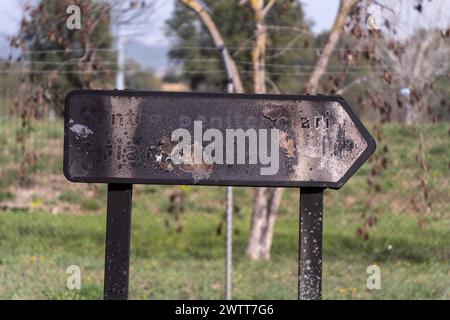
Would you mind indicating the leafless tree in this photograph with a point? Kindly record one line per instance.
(409, 53)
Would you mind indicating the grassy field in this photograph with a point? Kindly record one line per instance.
(54, 224)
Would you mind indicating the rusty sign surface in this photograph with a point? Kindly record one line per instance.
(235, 139)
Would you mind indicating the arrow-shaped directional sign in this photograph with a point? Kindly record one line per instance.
(212, 139)
(128, 137)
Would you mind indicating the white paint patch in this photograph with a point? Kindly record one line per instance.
(81, 131)
(315, 147)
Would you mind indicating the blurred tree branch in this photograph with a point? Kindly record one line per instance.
(209, 23)
(345, 7)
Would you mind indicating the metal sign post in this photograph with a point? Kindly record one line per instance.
(310, 244)
(129, 137)
(117, 248)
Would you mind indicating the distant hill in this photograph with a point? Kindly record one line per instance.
(147, 56)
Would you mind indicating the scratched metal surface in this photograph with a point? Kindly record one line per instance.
(124, 137)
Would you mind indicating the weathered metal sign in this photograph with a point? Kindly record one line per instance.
(212, 139)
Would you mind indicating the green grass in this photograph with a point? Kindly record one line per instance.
(36, 247)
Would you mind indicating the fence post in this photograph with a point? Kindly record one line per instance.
(229, 206)
(117, 247)
(229, 246)
(310, 244)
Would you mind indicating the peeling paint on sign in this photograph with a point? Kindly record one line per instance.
(125, 136)
(81, 131)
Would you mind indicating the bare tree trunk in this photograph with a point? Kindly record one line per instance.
(258, 59)
(321, 65)
(259, 45)
(267, 200)
(208, 22)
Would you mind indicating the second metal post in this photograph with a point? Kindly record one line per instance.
(310, 244)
